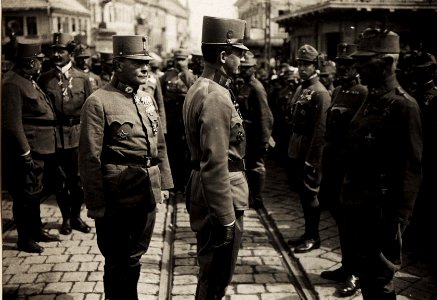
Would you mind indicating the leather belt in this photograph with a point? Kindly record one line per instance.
(69, 122)
(233, 165)
(138, 161)
(40, 122)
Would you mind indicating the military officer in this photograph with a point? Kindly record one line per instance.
(423, 70)
(327, 73)
(196, 63)
(382, 166)
(29, 127)
(217, 193)
(106, 58)
(175, 83)
(258, 122)
(82, 56)
(308, 110)
(124, 166)
(347, 98)
(67, 87)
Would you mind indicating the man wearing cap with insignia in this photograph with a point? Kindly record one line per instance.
(67, 87)
(81, 56)
(175, 83)
(196, 63)
(217, 193)
(258, 123)
(307, 112)
(124, 166)
(382, 166)
(29, 135)
(423, 221)
(106, 58)
(327, 73)
(347, 98)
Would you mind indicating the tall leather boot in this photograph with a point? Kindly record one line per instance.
(312, 238)
(77, 199)
(256, 183)
(133, 276)
(63, 200)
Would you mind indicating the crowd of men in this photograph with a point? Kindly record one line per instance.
(113, 131)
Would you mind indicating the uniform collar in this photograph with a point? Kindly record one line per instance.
(389, 84)
(65, 68)
(310, 81)
(215, 74)
(125, 88)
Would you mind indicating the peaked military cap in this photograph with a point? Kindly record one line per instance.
(82, 50)
(61, 40)
(106, 57)
(27, 50)
(80, 39)
(308, 53)
(196, 52)
(377, 41)
(249, 60)
(423, 60)
(327, 67)
(131, 46)
(220, 31)
(181, 53)
(345, 50)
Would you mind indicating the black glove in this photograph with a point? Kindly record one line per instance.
(28, 162)
(223, 235)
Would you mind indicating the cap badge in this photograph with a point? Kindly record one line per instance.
(229, 36)
(129, 90)
(144, 43)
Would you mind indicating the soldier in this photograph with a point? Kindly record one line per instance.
(29, 124)
(347, 98)
(107, 67)
(67, 87)
(423, 69)
(327, 73)
(382, 166)
(124, 166)
(175, 83)
(217, 193)
(81, 56)
(308, 110)
(196, 62)
(258, 123)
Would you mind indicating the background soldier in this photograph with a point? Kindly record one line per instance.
(258, 123)
(27, 110)
(196, 63)
(175, 83)
(347, 98)
(308, 116)
(107, 67)
(67, 87)
(383, 166)
(217, 193)
(425, 92)
(327, 72)
(124, 166)
(82, 56)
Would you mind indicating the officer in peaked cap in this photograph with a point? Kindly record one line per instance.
(124, 166)
(82, 54)
(307, 110)
(216, 139)
(327, 73)
(347, 98)
(28, 157)
(384, 149)
(106, 58)
(196, 63)
(67, 87)
(258, 120)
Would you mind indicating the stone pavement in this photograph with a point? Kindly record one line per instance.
(72, 268)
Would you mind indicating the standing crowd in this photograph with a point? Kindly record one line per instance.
(114, 132)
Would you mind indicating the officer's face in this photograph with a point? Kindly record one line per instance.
(81, 62)
(132, 71)
(181, 62)
(61, 57)
(306, 69)
(346, 69)
(371, 69)
(232, 61)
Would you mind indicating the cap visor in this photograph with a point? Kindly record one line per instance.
(240, 46)
(138, 57)
(363, 53)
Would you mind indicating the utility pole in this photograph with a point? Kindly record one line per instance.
(267, 34)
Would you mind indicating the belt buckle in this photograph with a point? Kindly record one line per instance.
(148, 161)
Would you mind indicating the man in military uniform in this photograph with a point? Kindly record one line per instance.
(425, 92)
(382, 166)
(107, 67)
(347, 98)
(124, 166)
(29, 125)
(196, 63)
(327, 73)
(67, 87)
(175, 83)
(258, 123)
(82, 56)
(217, 193)
(308, 110)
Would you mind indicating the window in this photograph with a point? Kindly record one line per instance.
(14, 24)
(31, 26)
(73, 24)
(59, 24)
(65, 28)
